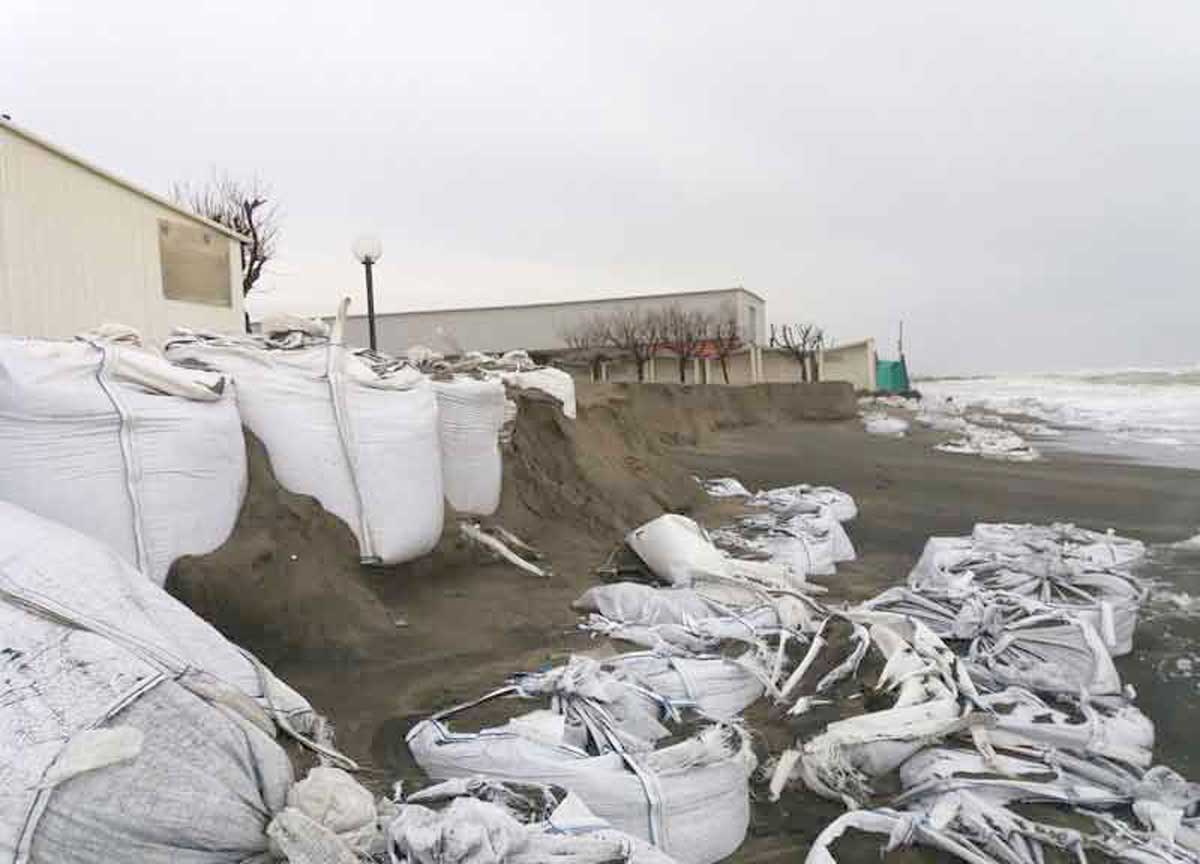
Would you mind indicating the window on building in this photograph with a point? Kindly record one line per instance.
(752, 324)
(195, 264)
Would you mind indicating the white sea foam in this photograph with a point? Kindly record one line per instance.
(1157, 409)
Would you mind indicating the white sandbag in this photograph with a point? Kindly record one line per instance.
(718, 687)
(479, 821)
(806, 498)
(112, 440)
(1055, 564)
(1000, 444)
(547, 379)
(803, 543)
(471, 412)
(677, 550)
(691, 799)
(364, 444)
(637, 603)
(123, 654)
(725, 487)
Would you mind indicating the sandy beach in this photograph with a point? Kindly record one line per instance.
(378, 649)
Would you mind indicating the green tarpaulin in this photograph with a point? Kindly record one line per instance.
(891, 376)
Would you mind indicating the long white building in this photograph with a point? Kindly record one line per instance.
(544, 326)
(80, 247)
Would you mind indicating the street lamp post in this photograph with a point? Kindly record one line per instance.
(368, 249)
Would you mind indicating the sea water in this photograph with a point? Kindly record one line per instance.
(1150, 415)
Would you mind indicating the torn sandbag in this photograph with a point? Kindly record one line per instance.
(686, 619)
(804, 544)
(1013, 640)
(1101, 548)
(805, 498)
(553, 382)
(715, 686)
(470, 414)
(999, 444)
(129, 713)
(480, 821)
(690, 799)
(1103, 726)
(725, 487)
(517, 370)
(933, 699)
(114, 441)
(1055, 565)
(364, 444)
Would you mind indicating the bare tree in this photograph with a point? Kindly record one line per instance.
(242, 206)
(588, 337)
(725, 336)
(804, 342)
(638, 332)
(684, 333)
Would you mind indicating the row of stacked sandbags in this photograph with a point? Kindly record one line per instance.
(145, 451)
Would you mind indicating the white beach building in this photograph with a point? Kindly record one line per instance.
(80, 247)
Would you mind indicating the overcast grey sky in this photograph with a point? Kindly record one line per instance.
(1016, 180)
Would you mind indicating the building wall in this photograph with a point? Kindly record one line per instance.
(779, 366)
(78, 250)
(538, 327)
(854, 363)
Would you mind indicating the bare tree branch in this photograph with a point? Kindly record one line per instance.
(684, 332)
(637, 332)
(588, 337)
(725, 336)
(242, 206)
(804, 342)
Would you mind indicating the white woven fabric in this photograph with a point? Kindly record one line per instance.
(112, 440)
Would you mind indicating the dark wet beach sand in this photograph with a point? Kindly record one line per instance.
(376, 649)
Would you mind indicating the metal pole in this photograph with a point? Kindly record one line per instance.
(370, 301)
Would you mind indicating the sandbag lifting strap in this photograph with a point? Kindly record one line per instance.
(129, 455)
(334, 353)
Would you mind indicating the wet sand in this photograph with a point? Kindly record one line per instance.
(456, 625)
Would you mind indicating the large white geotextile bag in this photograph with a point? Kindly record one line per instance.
(554, 382)
(677, 550)
(365, 446)
(470, 415)
(114, 441)
(126, 718)
(690, 799)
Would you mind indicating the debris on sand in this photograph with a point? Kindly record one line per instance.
(472, 532)
(884, 425)
(1002, 693)
(993, 441)
(990, 444)
(725, 487)
(482, 821)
